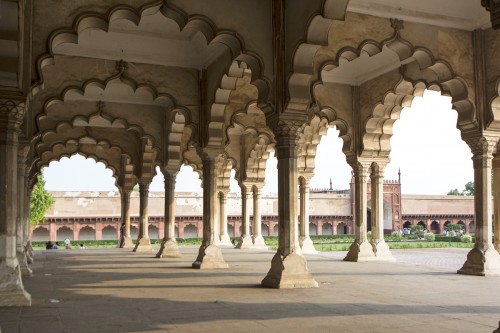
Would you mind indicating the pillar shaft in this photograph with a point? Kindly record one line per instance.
(224, 236)
(258, 239)
(483, 259)
(21, 204)
(361, 249)
(12, 291)
(496, 204)
(209, 255)
(288, 266)
(306, 243)
(143, 242)
(169, 247)
(125, 215)
(380, 247)
(245, 241)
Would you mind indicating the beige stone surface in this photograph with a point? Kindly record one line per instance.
(117, 291)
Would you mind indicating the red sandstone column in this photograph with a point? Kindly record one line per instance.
(98, 231)
(52, 232)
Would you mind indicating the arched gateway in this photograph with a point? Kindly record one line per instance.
(145, 84)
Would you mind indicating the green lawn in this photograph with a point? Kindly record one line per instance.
(321, 243)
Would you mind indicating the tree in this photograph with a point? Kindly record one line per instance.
(40, 202)
(469, 189)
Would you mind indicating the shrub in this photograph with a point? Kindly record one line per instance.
(396, 236)
(466, 238)
(430, 237)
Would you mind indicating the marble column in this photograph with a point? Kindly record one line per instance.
(143, 242)
(306, 243)
(12, 291)
(496, 203)
(125, 213)
(21, 197)
(169, 247)
(288, 267)
(30, 252)
(245, 241)
(225, 240)
(257, 238)
(380, 247)
(483, 259)
(361, 249)
(209, 254)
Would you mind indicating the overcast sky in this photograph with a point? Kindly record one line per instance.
(426, 146)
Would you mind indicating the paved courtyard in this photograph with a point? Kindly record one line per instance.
(115, 290)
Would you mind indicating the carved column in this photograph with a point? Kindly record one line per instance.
(380, 247)
(245, 241)
(143, 242)
(224, 236)
(258, 239)
(12, 291)
(306, 243)
(125, 214)
(21, 207)
(496, 203)
(483, 259)
(209, 255)
(361, 249)
(169, 247)
(288, 267)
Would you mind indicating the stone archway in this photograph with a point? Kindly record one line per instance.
(435, 227)
(86, 233)
(40, 234)
(109, 233)
(63, 233)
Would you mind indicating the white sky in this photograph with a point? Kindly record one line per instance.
(426, 146)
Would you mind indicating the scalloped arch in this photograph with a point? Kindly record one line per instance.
(379, 128)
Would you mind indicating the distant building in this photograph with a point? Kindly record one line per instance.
(96, 215)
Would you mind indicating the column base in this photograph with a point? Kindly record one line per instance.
(23, 264)
(169, 249)
(259, 243)
(481, 263)
(307, 246)
(143, 245)
(245, 242)
(225, 240)
(360, 252)
(30, 253)
(210, 257)
(12, 292)
(289, 272)
(382, 251)
(128, 244)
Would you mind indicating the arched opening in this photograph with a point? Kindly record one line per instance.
(327, 229)
(407, 225)
(109, 233)
(422, 224)
(190, 231)
(134, 231)
(63, 233)
(313, 229)
(40, 234)
(368, 220)
(86, 233)
(276, 230)
(462, 225)
(153, 232)
(472, 227)
(341, 229)
(264, 229)
(435, 227)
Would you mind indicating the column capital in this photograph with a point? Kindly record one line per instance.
(11, 117)
(482, 145)
(360, 168)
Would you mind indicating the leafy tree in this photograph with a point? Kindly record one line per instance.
(41, 200)
(469, 189)
(417, 230)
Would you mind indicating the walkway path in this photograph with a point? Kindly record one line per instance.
(116, 290)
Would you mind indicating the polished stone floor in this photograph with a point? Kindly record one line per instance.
(115, 290)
